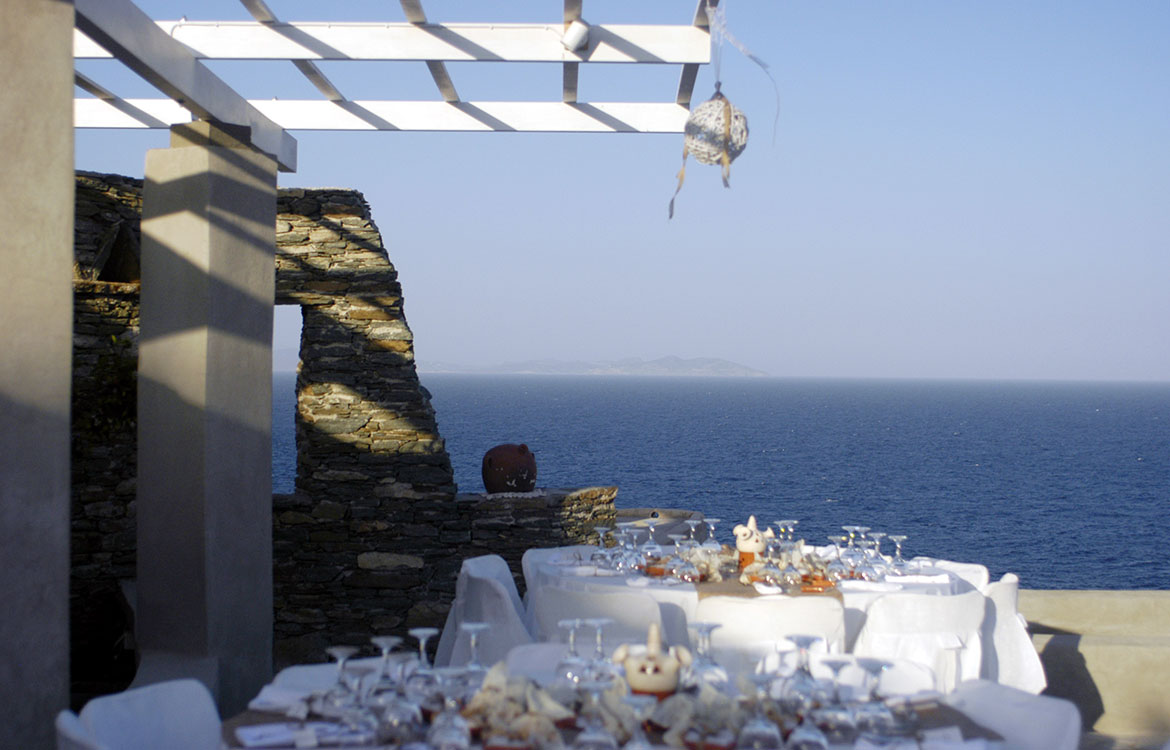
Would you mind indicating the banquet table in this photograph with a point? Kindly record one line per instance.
(571, 568)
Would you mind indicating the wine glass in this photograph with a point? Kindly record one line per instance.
(759, 732)
(872, 714)
(711, 542)
(385, 681)
(339, 696)
(852, 532)
(900, 564)
(798, 689)
(641, 706)
(600, 667)
(807, 736)
(594, 735)
(833, 715)
(449, 730)
(421, 684)
(571, 668)
(704, 670)
(474, 671)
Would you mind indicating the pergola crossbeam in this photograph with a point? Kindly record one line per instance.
(438, 70)
(134, 39)
(690, 71)
(446, 42)
(536, 117)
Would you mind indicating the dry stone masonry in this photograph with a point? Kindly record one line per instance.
(372, 538)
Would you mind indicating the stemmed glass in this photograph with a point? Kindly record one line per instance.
(385, 681)
(807, 736)
(834, 715)
(837, 569)
(711, 542)
(340, 696)
(600, 667)
(900, 565)
(641, 706)
(704, 670)
(852, 532)
(872, 714)
(759, 732)
(594, 735)
(421, 685)
(475, 671)
(572, 668)
(449, 730)
(797, 690)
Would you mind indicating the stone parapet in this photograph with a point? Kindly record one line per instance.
(1108, 652)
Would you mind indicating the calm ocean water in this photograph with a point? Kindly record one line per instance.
(1065, 484)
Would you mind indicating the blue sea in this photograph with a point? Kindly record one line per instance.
(1065, 484)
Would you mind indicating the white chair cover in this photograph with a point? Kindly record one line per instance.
(177, 715)
(974, 574)
(939, 632)
(538, 661)
(72, 734)
(632, 613)
(1026, 721)
(1009, 657)
(752, 628)
(484, 592)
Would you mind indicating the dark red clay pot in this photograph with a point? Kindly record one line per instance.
(509, 468)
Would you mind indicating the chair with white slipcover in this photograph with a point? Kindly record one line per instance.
(538, 661)
(1009, 657)
(1026, 721)
(974, 575)
(177, 715)
(632, 614)
(72, 734)
(752, 628)
(939, 632)
(534, 557)
(484, 592)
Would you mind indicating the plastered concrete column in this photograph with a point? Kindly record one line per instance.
(36, 319)
(204, 410)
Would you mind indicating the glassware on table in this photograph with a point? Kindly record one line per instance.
(900, 565)
(798, 689)
(711, 542)
(600, 667)
(449, 730)
(873, 716)
(641, 706)
(339, 696)
(474, 670)
(386, 680)
(834, 717)
(759, 732)
(865, 569)
(789, 528)
(807, 736)
(852, 532)
(594, 735)
(836, 569)
(704, 670)
(572, 667)
(421, 684)
(693, 524)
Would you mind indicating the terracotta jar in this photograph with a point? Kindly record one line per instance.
(509, 468)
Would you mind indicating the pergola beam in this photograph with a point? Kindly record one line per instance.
(536, 117)
(248, 40)
(571, 69)
(690, 71)
(133, 38)
(438, 70)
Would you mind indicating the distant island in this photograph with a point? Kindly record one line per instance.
(663, 366)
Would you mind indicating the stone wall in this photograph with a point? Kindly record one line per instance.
(372, 539)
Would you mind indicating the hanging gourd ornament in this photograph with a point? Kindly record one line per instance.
(716, 132)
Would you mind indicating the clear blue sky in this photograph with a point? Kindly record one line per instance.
(955, 190)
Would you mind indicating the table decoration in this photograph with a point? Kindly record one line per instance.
(653, 671)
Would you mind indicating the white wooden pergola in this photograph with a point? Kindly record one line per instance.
(169, 54)
(204, 378)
